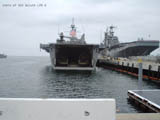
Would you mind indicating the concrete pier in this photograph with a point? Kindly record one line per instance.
(66, 109)
(147, 100)
(56, 109)
(151, 70)
(138, 116)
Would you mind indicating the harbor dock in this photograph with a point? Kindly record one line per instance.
(148, 100)
(151, 70)
(139, 116)
(56, 109)
(66, 109)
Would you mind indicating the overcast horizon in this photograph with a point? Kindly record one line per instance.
(22, 29)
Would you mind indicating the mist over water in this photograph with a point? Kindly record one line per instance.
(32, 77)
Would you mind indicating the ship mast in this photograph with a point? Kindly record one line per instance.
(72, 37)
(73, 29)
(72, 25)
(109, 34)
(111, 30)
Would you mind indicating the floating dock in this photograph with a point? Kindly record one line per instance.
(151, 70)
(148, 100)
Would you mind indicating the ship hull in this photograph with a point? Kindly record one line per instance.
(81, 57)
(3, 56)
(137, 48)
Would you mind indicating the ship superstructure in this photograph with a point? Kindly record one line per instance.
(74, 54)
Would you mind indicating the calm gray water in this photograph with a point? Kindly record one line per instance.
(32, 77)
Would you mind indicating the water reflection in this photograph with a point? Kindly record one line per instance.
(66, 84)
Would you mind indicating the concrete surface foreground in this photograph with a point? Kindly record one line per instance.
(56, 109)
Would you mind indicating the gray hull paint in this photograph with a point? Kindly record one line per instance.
(52, 49)
(137, 48)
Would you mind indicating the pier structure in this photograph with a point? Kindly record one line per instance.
(147, 100)
(139, 116)
(57, 109)
(151, 70)
(66, 109)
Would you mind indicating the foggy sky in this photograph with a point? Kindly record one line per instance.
(22, 29)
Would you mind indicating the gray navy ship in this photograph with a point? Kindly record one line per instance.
(113, 48)
(3, 56)
(72, 54)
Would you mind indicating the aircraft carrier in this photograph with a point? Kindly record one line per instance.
(113, 48)
(74, 54)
